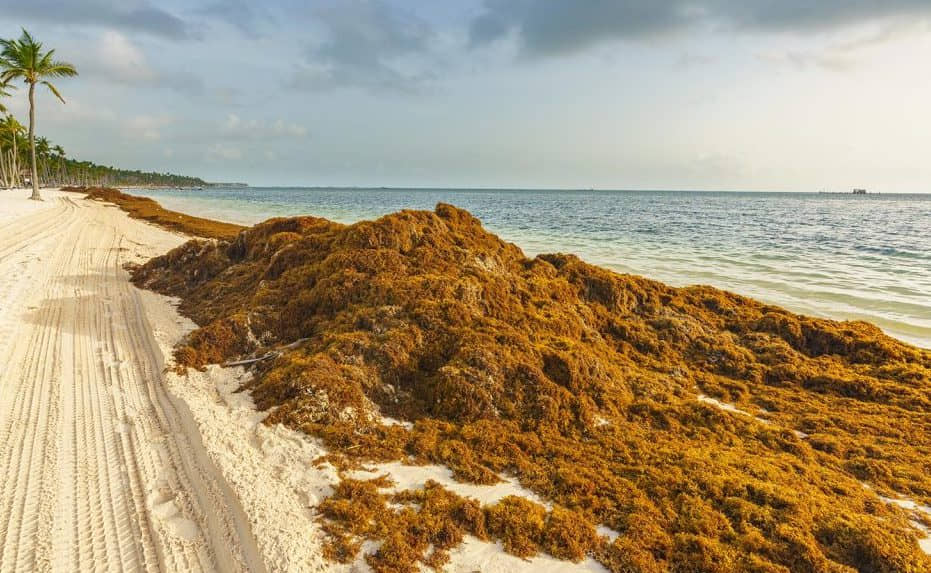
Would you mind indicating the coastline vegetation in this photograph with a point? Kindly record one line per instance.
(26, 156)
(25, 59)
(581, 383)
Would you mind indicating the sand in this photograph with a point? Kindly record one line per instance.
(112, 462)
(102, 470)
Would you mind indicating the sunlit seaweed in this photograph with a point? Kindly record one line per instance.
(421, 526)
(579, 382)
(150, 210)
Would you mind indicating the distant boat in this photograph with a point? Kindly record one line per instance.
(859, 191)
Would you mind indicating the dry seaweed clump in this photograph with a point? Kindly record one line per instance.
(150, 210)
(579, 382)
(419, 527)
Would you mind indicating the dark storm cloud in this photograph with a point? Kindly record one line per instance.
(547, 27)
(121, 14)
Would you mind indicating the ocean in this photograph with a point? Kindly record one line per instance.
(840, 256)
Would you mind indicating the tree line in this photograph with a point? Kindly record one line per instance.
(24, 157)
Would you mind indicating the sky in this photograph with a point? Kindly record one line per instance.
(791, 95)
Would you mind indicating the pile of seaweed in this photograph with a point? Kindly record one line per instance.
(581, 383)
(151, 211)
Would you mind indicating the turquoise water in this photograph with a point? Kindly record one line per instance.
(837, 256)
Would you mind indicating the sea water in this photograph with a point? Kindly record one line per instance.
(841, 256)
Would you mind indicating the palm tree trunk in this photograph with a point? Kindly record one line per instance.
(32, 142)
(14, 157)
(3, 176)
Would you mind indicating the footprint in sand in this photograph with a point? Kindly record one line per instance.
(162, 505)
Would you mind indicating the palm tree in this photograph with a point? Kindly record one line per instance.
(9, 126)
(60, 156)
(4, 92)
(43, 149)
(25, 59)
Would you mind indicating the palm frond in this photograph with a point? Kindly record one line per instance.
(60, 70)
(26, 38)
(54, 90)
(24, 58)
(44, 60)
(4, 92)
(8, 47)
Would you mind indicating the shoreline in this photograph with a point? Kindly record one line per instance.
(270, 470)
(152, 211)
(276, 258)
(809, 281)
(202, 227)
(243, 497)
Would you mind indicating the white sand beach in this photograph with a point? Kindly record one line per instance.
(102, 470)
(110, 461)
(532, 287)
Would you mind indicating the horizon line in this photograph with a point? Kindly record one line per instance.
(564, 189)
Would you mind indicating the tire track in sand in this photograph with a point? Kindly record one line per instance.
(103, 469)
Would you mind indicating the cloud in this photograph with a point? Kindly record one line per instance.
(369, 44)
(548, 27)
(221, 152)
(117, 59)
(800, 15)
(842, 56)
(148, 127)
(235, 128)
(553, 27)
(79, 112)
(691, 59)
(129, 15)
(247, 17)
(290, 129)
